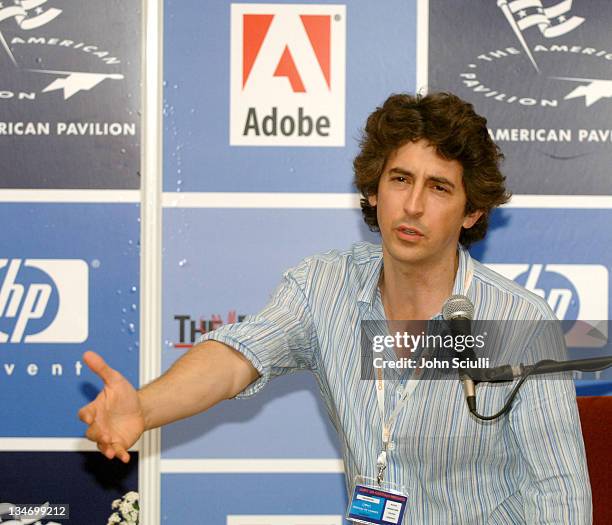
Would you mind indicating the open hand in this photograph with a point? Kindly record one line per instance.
(115, 417)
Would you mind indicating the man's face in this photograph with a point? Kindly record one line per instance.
(420, 205)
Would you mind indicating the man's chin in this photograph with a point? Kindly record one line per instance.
(410, 254)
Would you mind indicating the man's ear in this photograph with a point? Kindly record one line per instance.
(472, 218)
(372, 199)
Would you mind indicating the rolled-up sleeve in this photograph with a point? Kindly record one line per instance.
(279, 340)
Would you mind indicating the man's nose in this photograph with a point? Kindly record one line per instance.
(414, 203)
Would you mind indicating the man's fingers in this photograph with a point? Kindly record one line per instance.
(105, 444)
(107, 450)
(87, 414)
(98, 366)
(95, 433)
(121, 453)
(113, 450)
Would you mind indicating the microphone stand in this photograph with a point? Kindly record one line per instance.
(546, 366)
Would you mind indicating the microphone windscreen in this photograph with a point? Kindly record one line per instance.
(457, 307)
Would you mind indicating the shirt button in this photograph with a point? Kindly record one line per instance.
(391, 445)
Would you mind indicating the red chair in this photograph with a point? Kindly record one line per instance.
(596, 421)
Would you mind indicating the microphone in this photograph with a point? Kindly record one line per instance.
(504, 373)
(458, 307)
(459, 310)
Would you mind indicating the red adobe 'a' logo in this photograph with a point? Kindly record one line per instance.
(318, 29)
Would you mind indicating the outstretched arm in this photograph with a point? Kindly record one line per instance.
(207, 374)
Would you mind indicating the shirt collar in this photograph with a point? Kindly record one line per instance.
(463, 278)
(465, 273)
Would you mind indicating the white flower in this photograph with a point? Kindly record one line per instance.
(128, 510)
(125, 507)
(114, 518)
(131, 496)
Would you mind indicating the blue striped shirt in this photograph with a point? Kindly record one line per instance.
(527, 467)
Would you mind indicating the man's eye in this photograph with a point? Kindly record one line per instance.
(399, 178)
(441, 189)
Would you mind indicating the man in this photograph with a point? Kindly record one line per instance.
(429, 176)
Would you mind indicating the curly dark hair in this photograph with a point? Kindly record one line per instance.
(456, 132)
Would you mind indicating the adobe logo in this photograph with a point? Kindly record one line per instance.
(287, 75)
(255, 29)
